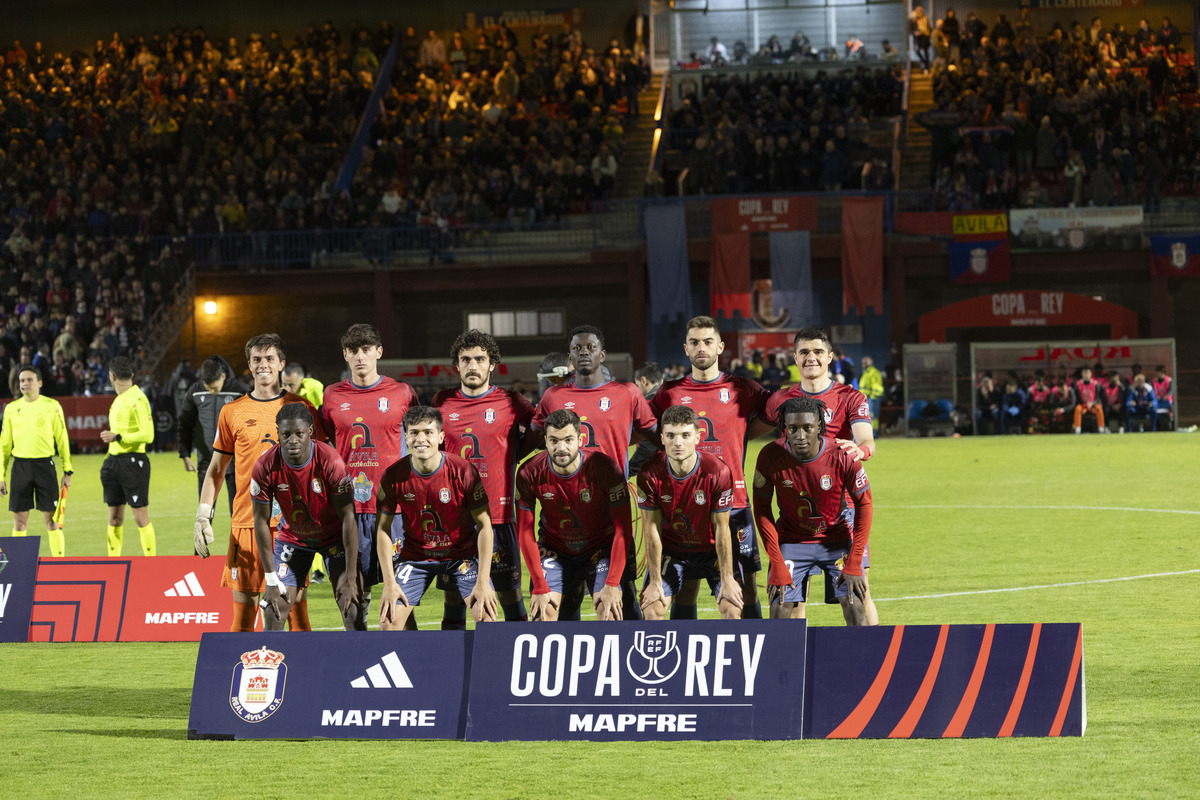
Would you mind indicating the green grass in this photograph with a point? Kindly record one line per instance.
(110, 719)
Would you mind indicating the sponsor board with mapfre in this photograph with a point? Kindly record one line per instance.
(638, 681)
(135, 599)
(286, 686)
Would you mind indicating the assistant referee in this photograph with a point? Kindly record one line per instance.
(33, 427)
(125, 474)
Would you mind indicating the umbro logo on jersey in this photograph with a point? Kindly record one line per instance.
(188, 587)
(283, 487)
(455, 416)
(686, 399)
(387, 674)
(345, 406)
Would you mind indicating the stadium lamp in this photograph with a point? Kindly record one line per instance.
(210, 307)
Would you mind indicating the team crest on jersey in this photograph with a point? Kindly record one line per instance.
(700, 497)
(383, 404)
(259, 680)
(444, 495)
(828, 416)
(826, 482)
(489, 416)
(604, 404)
(316, 484)
(585, 495)
(724, 395)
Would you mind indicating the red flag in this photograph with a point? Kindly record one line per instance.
(730, 278)
(862, 254)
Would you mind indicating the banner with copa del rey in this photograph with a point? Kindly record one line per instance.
(342, 685)
(640, 681)
(18, 572)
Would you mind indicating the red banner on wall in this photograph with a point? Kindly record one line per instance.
(862, 254)
(730, 275)
(763, 214)
(137, 599)
(1028, 309)
(86, 417)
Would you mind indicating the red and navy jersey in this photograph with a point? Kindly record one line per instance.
(486, 430)
(305, 494)
(577, 514)
(844, 406)
(437, 508)
(1087, 392)
(813, 496)
(726, 405)
(365, 422)
(688, 503)
(609, 413)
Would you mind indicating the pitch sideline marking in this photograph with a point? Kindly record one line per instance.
(1039, 586)
(1040, 508)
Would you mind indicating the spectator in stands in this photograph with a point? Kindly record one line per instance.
(1074, 172)
(1101, 187)
(921, 33)
(432, 52)
(1152, 169)
(715, 54)
(1168, 34)
(887, 52)
(800, 47)
(1141, 406)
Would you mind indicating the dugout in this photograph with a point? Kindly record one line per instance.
(1025, 359)
(930, 389)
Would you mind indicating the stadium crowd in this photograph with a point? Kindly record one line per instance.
(799, 132)
(1069, 116)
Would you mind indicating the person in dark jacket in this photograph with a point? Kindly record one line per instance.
(202, 406)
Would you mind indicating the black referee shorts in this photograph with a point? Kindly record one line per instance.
(126, 480)
(30, 477)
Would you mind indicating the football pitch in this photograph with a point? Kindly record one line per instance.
(1103, 530)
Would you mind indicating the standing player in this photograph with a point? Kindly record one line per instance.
(310, 483)
(246, 430)
(726, 408)
(585, 529)
(215, 388)
(685, 497)
(847, 412)
(363, 415)
(33, 427)
(609, 412)
(446, 526)
(824, 514)
(488, 426)
(125, 474)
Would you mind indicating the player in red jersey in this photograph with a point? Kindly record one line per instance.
(246, 430)
(686, 497)
(488, 426)
(847, 412)
(728, 411)
(447, 530)
(585, 528)
(363, 414)
(824, 518)
(609, 411)
(309, 482)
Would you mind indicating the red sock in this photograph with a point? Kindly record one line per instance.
(298, 617)
(244, 615)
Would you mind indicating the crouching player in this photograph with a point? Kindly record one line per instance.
(310, 482)
(824, 514)
(447, 530)
(685, 497)
(585, 528)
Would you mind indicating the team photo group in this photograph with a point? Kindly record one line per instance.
(390, 498)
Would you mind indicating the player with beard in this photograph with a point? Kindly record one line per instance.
(584, 531)
(609, 411)
(489, 427)
(728, 412)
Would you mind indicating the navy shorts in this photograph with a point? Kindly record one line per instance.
(564, 572)
(415, 577)
(678, 568)
(506, 558)
(368, 555)
(814, 558)
(293, 562)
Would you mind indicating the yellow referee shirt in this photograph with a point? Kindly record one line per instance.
(130, 417)
(33, 430)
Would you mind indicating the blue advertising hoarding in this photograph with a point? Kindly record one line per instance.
(641, 681)
(18, 576)
(331, 685)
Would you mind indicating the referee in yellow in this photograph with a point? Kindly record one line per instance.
(125, 474)
(33, 427)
